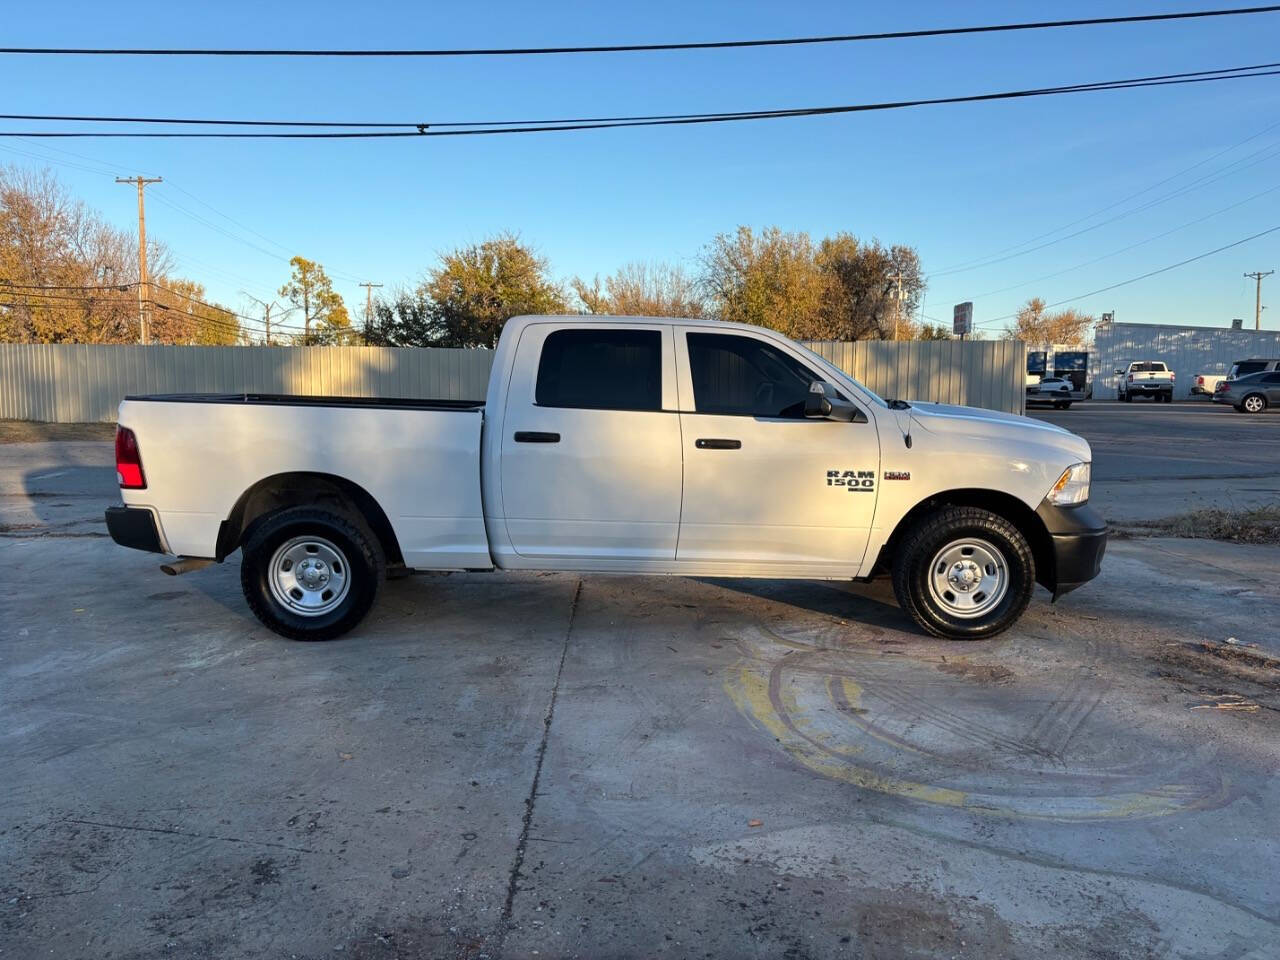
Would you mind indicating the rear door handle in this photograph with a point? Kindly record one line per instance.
(536, 436)
(717, 444)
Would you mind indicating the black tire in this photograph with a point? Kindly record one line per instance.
(1128, 398)
(1258, 398)
(365, 570)
(914, 557)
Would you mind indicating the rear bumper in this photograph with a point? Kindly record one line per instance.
(134, 527)
(1079, 537)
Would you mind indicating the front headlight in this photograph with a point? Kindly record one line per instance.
(1072, 487)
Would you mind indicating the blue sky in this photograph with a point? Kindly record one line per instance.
(957, 182)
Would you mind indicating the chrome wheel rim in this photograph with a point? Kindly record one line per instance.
(309, 576)
(1253, 404)
(968, 577)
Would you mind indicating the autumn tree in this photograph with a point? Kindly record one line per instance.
(840, 289)
(862, 286)
(1035, 323)
(181, 314)
(66, 276)
(324, 315)
(476, 289)
(769, 279)
(642, 290)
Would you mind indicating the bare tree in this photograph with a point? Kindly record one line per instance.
(1035, 323)
(642, 290)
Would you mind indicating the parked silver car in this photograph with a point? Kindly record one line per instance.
(1250, 394)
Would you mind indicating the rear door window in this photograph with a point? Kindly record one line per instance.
(601, 370)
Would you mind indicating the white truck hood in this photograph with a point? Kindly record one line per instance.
(992, 427)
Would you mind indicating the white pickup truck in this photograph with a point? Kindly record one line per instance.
(1145, 378)
(614, 445)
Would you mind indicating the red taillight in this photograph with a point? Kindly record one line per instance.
(129, 461)
(1199, 381)
(1131, 378)
(1222, 385)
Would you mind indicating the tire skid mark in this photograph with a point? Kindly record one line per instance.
(776, 680)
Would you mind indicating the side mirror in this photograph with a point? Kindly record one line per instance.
(823, 402)
(1119, 373)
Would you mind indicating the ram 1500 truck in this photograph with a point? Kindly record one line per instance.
(614, 445)
(1145, 378)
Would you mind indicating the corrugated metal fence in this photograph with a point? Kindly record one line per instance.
(82, 383)
(973, 373)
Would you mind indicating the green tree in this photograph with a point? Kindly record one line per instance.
(405, 320)
(324, 315)
(931, 331)
(476, 289)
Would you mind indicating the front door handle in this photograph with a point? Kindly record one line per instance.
(536, 436)
(717, 444)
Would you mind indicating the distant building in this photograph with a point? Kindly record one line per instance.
(1187, 351)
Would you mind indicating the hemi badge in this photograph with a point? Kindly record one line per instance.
(897, 474)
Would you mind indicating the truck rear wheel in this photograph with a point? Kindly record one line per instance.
(963, 573)
(311, 573)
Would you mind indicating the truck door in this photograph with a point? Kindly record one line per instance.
(591, 443)
(762, 484)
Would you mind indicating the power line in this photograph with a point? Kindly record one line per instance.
(636, 47)
(477, 128)
(1267, 153)
(1126, 249)
(121, 287)
(1151, 273)
(422, 126)
(1111, 206)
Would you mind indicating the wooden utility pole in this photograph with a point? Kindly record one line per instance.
(368, 303)
(897, 301)
(143, 292)
(1257, 303)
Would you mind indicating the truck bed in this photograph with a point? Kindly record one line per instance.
(419, 460)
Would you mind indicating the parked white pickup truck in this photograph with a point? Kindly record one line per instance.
(625, 445)
(1146, 378)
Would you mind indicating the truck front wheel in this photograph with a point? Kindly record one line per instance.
(311, 573)
(964, 573)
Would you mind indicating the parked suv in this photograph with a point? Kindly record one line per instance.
(1145, 378)
(1252, 393)
(1242, 368)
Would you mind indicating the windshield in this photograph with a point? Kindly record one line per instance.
(840, 377)
(1148, 367)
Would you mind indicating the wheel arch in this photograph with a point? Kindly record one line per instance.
(1002, 504)
(299, 488)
